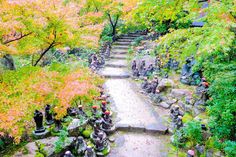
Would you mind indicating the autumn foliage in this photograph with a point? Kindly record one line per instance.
(32, 88)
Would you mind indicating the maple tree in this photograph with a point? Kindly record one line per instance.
(35, 27)
(112, 10)
(31, 88)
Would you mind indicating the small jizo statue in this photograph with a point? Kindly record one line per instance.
(48, 115)
(154, 84)
(134, 65)
(81, 145)
(94, 111)
(90, 152)
(100, 142)
(107, 121)
(104, 108)
(145, 83)
(58, 125)
(143, 64)
(81, 112)
(38, 118)
(136, 73)
(97, 128)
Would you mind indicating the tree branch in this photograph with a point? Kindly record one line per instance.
(44, 52)
(110, 19)
(18, 38)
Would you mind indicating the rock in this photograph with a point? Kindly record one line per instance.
(198, 110)
(49, 147)
(200, 149)
(185, 107)
(171, 101)
(75, 127)
(218, 154)
(165, 84)
(209, 153)
(179, 93)
(189, 101)
(111, 139)
(164, 105)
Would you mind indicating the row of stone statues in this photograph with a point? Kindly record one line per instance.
(97, 61)
(188, 76)
(142, 70)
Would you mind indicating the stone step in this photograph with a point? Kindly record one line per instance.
(121, 43)
(132, 35)
(118, 56)
(125, 40)
(116, 63)
(118, 51)
(120, 47)
(128, 37)
(115, 73)
(154, 129)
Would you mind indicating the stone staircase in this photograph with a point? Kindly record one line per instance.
(116, 67)
(133, 112)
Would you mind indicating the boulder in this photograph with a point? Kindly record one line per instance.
(49, 147)
(75, 127)
(180, 93)
(164, 84)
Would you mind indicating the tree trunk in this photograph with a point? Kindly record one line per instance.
(44, 52)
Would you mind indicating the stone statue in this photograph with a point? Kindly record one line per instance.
(202, 92)
(48, 115)
(176, 116)
(145, 83)
(80, 145)
(134, 65)
(71, 111)
(142, 66)
(154, 85)
(136, 73)
(107, 125)
(187, 76)
(38, 118)
(68, 154)
(100, 143)
(150, 69)
(143, 72)
(97, 130)
(58, 125)
(90, 152)
(81, 112)
(96, 115)
(104, 108)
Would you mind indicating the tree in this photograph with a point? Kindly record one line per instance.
(30, 88)
(112, 10)
(35, 27)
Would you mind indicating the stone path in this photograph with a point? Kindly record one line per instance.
(134, 113)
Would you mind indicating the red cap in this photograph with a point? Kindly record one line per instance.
(94, 107)
(104, 102)
(107, 112)
(206, 84)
